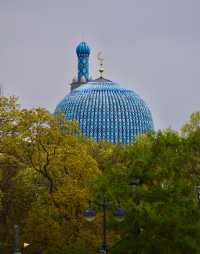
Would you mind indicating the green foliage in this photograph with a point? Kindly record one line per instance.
(162, 212)
(192, 125)
(45, 174)
(48, 175)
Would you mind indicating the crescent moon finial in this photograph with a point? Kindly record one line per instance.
(101, 59)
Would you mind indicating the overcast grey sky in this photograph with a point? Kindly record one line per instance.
(150, 46)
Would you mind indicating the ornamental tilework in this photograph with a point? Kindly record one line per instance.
(107, 111)
(83, 52)
(83, 67)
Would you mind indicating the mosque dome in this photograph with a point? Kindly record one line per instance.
(82, 49)
(104, 109)
(107, 111)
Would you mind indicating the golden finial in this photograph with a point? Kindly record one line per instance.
(101, 59)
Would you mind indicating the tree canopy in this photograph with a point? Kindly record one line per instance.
(45, 175)
(48, 174)
(155, 181)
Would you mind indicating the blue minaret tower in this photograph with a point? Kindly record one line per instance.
(83, 52)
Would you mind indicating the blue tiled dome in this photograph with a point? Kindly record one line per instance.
(107, 111)
(82, 49)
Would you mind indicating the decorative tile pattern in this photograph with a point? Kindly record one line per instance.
(106, 111)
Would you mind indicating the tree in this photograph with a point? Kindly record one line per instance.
(192, 125)
(45, 178)
(48, 175)
(162, 213)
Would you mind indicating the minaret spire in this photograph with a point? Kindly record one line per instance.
(83, 52)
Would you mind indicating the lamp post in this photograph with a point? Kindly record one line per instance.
(16, 240)
(198, 192)
(90, 214)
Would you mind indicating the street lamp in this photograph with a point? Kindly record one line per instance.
(135, 182)
(119, 214)
(90, 214)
